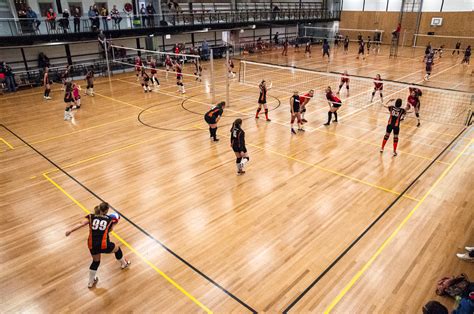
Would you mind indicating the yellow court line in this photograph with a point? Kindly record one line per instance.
(6, 143)
(394, 233)
(143, 258)
(327, 170)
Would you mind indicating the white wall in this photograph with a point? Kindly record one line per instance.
(433, 5)
(458, 5)
(375, 5)
(352, 5)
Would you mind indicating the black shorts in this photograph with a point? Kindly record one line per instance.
(396, 129)
(98, 250)
(428, 68)
(334, 105)
(239, 149)
(210, 120)
(262, 102)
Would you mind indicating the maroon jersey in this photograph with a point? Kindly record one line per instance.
(378, 84)
(345, 78)
(179, 74)
(335, 101)
(153, 67)
(168, 61)
(138, 64)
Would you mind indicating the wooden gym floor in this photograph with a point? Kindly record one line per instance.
(202, 238)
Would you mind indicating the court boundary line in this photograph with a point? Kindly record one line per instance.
(10, 146)
(131, 248)
(371, 225)
(388, 240)
(196, 270)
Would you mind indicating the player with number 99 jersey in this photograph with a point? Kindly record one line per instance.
(99, 229)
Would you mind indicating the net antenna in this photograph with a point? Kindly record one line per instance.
(444, 106)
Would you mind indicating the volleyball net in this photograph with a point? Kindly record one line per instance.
(127, 57)
(437, 41)
(437, 105)
(331, 34)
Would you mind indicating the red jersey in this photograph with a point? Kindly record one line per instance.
(153, 67)
(176, 50)
(413, 101)
(138, 64)
(417, 91)
(305, 99)
(330, 96)
(168, 61)
(378, 84)
(179, 73)
(345, 78)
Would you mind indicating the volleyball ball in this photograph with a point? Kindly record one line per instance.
(115, 217)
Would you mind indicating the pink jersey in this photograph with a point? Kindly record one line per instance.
(75, 93)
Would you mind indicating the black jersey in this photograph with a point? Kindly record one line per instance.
(361, 46)
(237, 138)
(99, 229)
(296, 103)
(215, 112)
(262, 99)
(346, 42)
(68, 97)
(467, 53)
(395, 114)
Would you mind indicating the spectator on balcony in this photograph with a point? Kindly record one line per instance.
(51, 18)
(115, 14)
(24, 23)
(105, 16)
(77, 19)
(177, 7)
(64, 21)
(150, 10)
(32, 19)
(9, 77)
(93, 17)
(275, 38)
(276, 10)
(143, 15)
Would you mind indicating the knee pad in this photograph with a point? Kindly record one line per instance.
(417, 115)
(119, 254)
(94, 265)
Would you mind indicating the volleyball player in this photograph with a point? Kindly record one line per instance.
(230, 69)
(154, 77)
(65, 76)
(369, 42)
(100, 225)
(285, 48)
(467, 55)
(307, 49)
(344, 80)
(179, 77)
(361, 49)
(414, 101)
(393, 124)
(168, 64)
(75, 94)
(295, 112)
(262, 99)
(457, 48)
(326, 48)
(429, 66)
(68, 99)
(334, 105)
(428, 51)
(212, 117)
(198, 69)
(47, 84)
(237, 142)
(144, 80)
(346, 44)
(138, 67)
(304, 100)
(90, 82)
(378, 87)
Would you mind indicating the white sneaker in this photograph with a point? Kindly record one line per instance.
(469, 248)
(465, 257)
(127, 264)
(92, 284)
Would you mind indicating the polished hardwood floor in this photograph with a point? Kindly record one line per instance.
(202, 238)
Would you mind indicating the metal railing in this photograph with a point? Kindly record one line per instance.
(43, 26)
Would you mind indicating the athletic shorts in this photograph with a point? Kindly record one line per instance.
(210, 120)
(98, 250)
(396, 129)
(239, 149)
(262, 102)
(336, 105)
(428, 68)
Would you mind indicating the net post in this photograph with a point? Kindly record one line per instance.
(106, 48)
(227, 83)
(212, 85)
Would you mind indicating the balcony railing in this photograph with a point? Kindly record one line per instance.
(42, 26)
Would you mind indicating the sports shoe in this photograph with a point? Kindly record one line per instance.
(268, 120)
(469, 248)
(327, 123)
(395, 154)
(240, 172)
(465, 257)
(216, 140)
(304, 120)
(293, 131)
(418, 125)
(127, 264)
(381, 151)
(92, 284)
(301, 130)
(335, 121)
